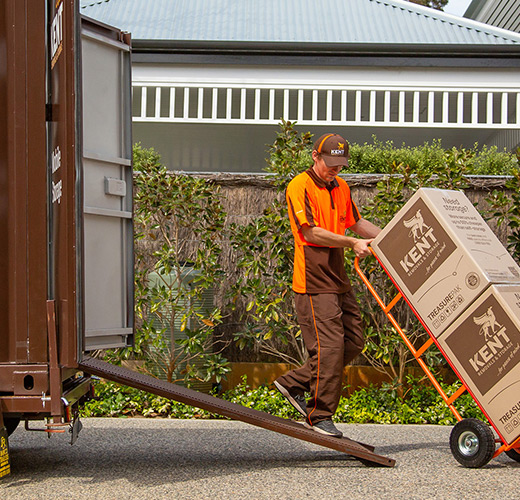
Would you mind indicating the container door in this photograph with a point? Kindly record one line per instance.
(107, 187)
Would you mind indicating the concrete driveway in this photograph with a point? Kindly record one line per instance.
(199, 459)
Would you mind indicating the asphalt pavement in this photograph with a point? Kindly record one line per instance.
(209, 459)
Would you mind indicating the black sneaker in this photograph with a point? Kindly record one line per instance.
(325, 427)
(296, 400)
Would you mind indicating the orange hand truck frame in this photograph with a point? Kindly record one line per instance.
(472, 442)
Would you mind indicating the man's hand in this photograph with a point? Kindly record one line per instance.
(361, 248)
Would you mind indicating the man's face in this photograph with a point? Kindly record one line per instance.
(325, 173)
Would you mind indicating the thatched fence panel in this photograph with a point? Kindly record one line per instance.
(246, 196)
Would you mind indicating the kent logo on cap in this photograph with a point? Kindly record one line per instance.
(333, 149)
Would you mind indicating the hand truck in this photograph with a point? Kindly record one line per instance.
(472, 442)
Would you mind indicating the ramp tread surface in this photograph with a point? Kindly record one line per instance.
(233, 411)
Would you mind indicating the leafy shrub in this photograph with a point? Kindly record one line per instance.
(491, 161)
(378, 157)
(381, 158)
(264, 250)
(174, 326)
(506, 210)
(421, 404)
(114, 400)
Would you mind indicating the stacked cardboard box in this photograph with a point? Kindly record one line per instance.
(484, 347)
(442, 255)
(465, 288)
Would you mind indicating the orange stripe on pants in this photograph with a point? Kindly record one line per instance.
(332, 330)
(318, 375)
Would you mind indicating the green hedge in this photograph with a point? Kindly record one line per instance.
(421, 404)
(378, 157)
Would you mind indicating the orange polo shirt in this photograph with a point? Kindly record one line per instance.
(311, 201)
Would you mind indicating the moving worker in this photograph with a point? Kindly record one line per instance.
(320, 210)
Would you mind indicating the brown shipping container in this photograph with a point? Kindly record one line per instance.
(23, 184)
(58, 252)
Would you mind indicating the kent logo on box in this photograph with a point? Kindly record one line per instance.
(486, 344)
(417, 245)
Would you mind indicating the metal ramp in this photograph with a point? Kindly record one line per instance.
(364, 453)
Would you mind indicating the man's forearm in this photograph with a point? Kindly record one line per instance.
(325, 238)
(322, 237)
(365, 229)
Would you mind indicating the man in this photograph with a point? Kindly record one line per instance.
(320, 211)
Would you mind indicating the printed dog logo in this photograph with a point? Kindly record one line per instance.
(416, 225)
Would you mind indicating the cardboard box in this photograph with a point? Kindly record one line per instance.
(483, 346)
(442, 255)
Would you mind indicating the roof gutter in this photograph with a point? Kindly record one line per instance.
(325, 54)
(330, 49)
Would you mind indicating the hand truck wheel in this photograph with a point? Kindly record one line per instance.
(513, 454)
(472, 443)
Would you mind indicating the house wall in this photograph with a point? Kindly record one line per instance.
(505, 139)
(333, 75)
(227, 146)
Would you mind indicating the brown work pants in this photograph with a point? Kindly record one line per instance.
(332, 331)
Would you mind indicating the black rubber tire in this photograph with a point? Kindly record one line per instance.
(513, 455)
(11, 424)
(472, 443)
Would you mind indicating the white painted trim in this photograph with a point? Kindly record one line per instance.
(480, 87)
(342, 123)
